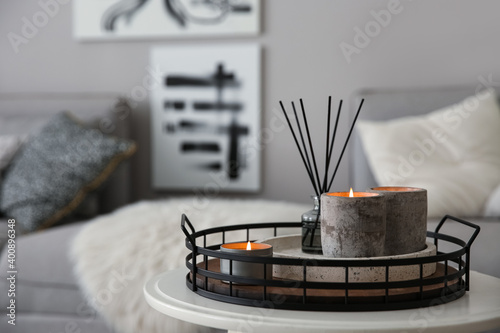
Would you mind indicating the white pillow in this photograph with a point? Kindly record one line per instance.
(453, 152)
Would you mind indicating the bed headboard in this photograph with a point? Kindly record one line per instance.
(23, 113)
(389, 104)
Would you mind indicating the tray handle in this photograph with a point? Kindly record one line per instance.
(469, 224)
(189, 236)
(468, 245)
(194, 251)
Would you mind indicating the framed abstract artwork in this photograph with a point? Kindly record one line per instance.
(206, 117)
(116, 19)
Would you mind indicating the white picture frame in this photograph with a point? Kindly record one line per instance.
(137, 19)
(206, 118)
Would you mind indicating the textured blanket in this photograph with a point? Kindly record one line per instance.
(116, 254)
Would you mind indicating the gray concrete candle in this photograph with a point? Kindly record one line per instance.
(244, 268)
(352, 227)
(406, 219)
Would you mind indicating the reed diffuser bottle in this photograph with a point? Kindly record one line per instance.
(311, 229)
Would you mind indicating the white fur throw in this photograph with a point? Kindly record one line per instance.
(116, 254)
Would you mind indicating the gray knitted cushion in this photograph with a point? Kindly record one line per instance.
(55, 170)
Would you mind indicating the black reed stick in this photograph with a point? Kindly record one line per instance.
(310, 142)
(325, 179)
(328, 156)
(304, 147)
(309, 172)
(327, 188)
(346, 141)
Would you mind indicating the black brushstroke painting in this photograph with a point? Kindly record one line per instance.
(219, 80)
(174, 105)
(212, 166)
(183, 13)
(207, 147)
(126, 8)
(215, 106)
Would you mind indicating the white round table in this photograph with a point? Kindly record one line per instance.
(477, 311)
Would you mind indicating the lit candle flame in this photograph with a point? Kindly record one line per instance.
(351, 193)
(249, 246)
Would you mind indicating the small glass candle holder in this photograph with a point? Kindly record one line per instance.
(244, 268)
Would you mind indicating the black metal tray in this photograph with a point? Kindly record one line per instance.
(450, 282)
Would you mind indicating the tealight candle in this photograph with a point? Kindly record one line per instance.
(244, 268)
(352, 224)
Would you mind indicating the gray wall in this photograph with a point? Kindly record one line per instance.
(426, 43)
